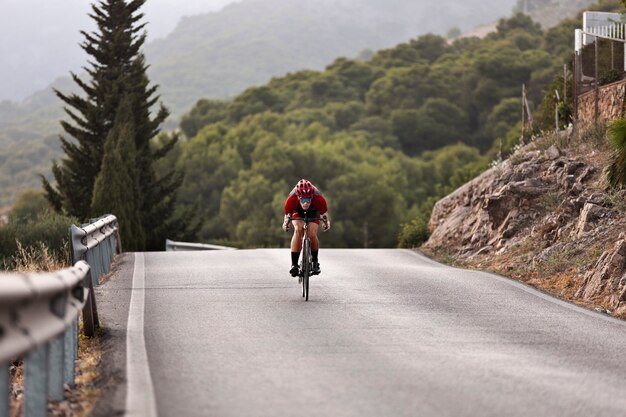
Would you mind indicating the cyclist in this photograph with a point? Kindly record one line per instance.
(305, 200)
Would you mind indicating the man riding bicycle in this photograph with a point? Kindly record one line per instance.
(305, 201)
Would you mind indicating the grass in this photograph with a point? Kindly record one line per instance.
(40, 258)
(559, 260)
(550, 200)
(593, 135)
(442, 255)
(617, 200)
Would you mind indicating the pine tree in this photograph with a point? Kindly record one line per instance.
(117, 69)
(116, 189)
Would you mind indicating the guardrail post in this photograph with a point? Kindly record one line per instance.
(4, 390)
(75, 340)
(90, 309)
(68, 355)
(56, 369)
(106, 249)
(78, 248)
(36, 382)
(94, 267)
(102, 257)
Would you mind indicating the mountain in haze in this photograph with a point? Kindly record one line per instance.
(218, 55)
(39, 39)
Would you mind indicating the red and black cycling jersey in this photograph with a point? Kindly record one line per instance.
(294, 209)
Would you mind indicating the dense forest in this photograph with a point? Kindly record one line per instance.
(382, 137)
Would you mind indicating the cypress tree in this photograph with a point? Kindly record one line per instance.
(116, 189)
(117, 69)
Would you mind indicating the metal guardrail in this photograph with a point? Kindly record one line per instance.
(39, 321)
(171, 245)
(39, 316)
(97, 243)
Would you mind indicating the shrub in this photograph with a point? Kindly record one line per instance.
(610, 76)
(616, 171)
(414, 233)
(44, 238)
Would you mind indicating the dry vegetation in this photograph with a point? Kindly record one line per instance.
(39, 258)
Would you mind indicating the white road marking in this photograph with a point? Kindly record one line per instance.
(140, 400)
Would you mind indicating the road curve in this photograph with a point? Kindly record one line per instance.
(384, 333)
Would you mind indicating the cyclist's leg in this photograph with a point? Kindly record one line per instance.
(315, 246)
(312, 231)
(298, 232)
(296, 245)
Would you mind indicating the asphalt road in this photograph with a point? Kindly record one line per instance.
(384, 333)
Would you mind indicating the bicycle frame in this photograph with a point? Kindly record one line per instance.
(306, 264)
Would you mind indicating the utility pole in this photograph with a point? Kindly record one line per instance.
(556, 110)
(564, 82)
(596, 82)
(523, 110)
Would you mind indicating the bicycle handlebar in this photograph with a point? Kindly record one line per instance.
(308, 219)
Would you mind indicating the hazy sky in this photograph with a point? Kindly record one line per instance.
(39, 38)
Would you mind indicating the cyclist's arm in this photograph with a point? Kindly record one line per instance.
(326, 219)
(290, 206)
(322, 206)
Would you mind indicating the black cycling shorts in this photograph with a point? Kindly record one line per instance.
(309, 214)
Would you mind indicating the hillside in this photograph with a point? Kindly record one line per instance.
(545, 217)
(218, 55)
(413, 122)
(23, 127)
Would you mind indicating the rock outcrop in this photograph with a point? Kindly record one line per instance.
(607, 278)
(552, 204)
(489, 211)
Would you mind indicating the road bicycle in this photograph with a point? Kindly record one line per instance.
(306, 264)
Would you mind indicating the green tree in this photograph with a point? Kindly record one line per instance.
(430, 47)
(368, 204)
(400, 88)
(29, 206)
(116, 189)
(211, 163)
(248, 210)
(502, 117)
(518, 21)
(254, 100)
(435, 124)
(117, 68)
(205, 112)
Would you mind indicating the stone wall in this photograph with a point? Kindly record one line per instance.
(611, 99)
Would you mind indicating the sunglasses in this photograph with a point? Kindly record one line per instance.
(305, 200)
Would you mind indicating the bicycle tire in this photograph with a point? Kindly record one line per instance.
(306, 268)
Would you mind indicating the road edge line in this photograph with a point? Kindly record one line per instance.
(140, 400)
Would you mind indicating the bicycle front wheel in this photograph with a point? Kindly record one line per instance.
(306, 268)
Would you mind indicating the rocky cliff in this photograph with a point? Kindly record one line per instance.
(544, 216)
